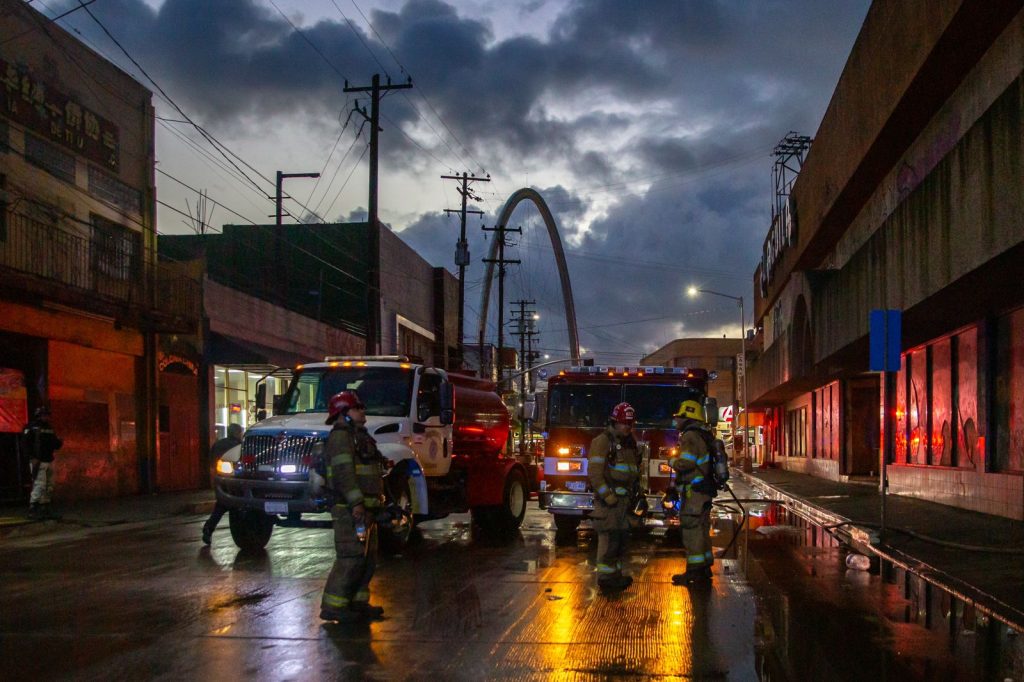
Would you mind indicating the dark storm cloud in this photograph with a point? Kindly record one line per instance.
(690, 95)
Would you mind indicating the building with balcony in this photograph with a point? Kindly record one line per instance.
(82, 296)
(909, 199)
(277, 296)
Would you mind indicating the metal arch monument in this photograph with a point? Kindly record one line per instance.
(563, 270)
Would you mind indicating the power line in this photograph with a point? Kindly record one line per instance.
(308, 41)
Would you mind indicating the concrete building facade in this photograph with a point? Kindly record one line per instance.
(79, 308)
(910, 199)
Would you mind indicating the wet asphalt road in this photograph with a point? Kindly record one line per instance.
(151, 601)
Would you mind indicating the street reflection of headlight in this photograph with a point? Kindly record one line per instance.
(225, 467)
(288, 468)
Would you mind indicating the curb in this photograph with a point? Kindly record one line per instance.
(865, 541)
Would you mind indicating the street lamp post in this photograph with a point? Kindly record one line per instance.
(693, 291)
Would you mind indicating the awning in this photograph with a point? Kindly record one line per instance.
(230, 350)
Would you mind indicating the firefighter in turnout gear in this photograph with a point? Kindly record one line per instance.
(40, 441)
(613, 469)
(692, 466)
(354, 470)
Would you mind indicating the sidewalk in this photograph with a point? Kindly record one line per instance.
(993, 581)
(112, 512)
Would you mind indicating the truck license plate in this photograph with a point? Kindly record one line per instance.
(576, 486)
(275, 507)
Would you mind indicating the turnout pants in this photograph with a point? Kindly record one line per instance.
(354, 562)
(612, 526)
(42, 484)
(695, 522)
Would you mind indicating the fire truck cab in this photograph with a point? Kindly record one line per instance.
(580, 400)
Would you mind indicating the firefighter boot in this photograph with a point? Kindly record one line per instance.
(341, 615)
(33, 511)
(693, 576)
(367, 610)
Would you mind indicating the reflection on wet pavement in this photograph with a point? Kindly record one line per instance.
(155, 603)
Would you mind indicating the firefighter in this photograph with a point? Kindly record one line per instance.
(692, 465)
(613, 469)
(41, 442)
(218, 450)
(354, 470)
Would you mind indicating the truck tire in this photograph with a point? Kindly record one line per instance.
(250, 529)
(403, 531)
(506, 518)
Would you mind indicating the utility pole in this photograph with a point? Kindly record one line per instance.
(281, 177)
(523, 321)
(501, 230)
(462, 247)
(373, 273)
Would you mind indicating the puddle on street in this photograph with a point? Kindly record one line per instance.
(817, 619)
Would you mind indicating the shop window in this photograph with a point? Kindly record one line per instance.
(796, 432)
(902, 455)
(1009, 393)
(968, 452)
(941, 422)
(917, 407)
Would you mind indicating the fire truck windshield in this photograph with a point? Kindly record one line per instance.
(386, 391)
(656, 404)
(582, 405)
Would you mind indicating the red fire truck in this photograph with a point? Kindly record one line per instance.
(579, 402)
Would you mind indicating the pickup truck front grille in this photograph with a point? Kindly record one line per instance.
(263, 450)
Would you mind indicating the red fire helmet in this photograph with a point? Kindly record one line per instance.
(341, 403)
(624, 414)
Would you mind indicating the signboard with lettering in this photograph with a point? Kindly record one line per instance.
(41, 108)
(780, 237)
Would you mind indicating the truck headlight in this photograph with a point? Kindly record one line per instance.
(225, 467)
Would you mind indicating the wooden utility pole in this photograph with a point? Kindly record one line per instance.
(462, 247)
(373, 271)
(501, 230)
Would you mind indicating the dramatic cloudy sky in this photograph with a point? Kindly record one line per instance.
(647, 125)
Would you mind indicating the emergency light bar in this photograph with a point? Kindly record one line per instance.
(689, 373)
(371, 358)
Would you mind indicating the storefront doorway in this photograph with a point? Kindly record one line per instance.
(178, 463)
(22, 389)
(863, 427)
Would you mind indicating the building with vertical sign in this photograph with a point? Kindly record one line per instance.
(79, 310)
(909, 199)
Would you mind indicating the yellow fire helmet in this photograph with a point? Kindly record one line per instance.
(691, 409)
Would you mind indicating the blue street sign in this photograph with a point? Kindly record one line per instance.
(886, 340)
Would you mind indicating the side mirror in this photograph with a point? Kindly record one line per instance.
(711, 410)
(447, 398)
(261, 395)
(280, 403)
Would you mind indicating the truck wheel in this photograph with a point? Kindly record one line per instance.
(506, 518)
(250, 530)
(402, 531)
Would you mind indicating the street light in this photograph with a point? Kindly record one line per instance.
(693, 292)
